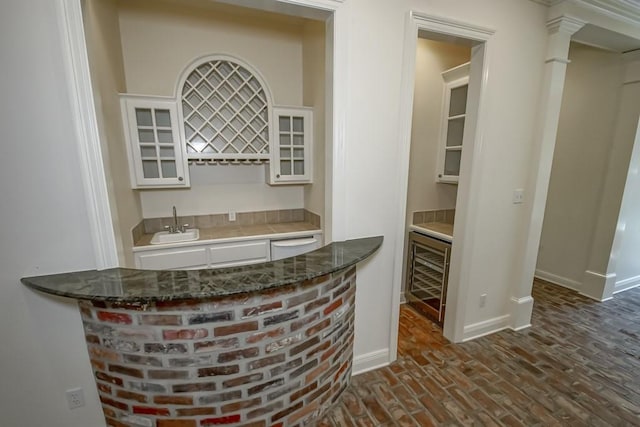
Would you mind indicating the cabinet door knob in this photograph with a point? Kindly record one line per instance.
(180, 178)
(278, 176)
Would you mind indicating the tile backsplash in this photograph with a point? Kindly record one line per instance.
(153, 225)
(435, 215)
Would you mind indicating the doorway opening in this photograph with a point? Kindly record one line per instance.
(590, 231)
(437, 134)
(444, 78)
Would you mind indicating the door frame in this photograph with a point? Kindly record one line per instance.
(470, 169)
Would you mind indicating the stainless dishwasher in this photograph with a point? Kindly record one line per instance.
(427, 275)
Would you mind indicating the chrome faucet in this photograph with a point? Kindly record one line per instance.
(175, 228)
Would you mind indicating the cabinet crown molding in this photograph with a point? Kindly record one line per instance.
(565, 24)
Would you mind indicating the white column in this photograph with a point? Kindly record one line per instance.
(560, 31)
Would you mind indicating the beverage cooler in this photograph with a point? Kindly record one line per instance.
(427, 275)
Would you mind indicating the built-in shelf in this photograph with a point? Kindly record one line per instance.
(224, 110)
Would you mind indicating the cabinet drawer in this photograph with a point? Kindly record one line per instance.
(172, 259)
(230, 254)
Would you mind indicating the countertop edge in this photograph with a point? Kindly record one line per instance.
(85, 278)
(431, 233)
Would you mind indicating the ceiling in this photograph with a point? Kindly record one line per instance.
(599, 37)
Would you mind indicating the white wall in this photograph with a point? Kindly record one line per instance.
(374, 50)
(159, 39)
(373, 46)
(45, 227)
(628, 262)
(220, 189)
(626, 246)
(580, 163)
(424, 193)
(107, 75)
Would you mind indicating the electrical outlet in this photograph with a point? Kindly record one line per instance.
(483, 300)
(75, 398)
(518, 196)
(232, 216)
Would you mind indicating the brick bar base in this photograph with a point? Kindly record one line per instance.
(278, 358)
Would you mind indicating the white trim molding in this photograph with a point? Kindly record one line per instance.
(557, 59)
(338, 145)
(370, 361)
(565, 24)
(624, 10)
(596, 285)
(548, 2)
(444, 25)
(565, 282)
(626, 284)
(486, 327)
(87, 135)
(459, 279)
(521, 310)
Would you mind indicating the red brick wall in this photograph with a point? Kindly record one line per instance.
(281, 357)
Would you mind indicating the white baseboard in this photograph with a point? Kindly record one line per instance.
(521, 310)
(486, 327)
(370, 361)
(558, 280)
(626, 284)
(598, 286)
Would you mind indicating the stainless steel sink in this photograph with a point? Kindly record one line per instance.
(164, 237)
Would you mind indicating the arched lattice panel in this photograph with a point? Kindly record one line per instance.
(225, 112)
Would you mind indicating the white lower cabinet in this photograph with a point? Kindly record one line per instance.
(176, 258)
(240, 253)
(201, 256)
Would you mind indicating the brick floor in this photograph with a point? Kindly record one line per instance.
(579, 364)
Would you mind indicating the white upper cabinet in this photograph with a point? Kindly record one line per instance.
(454, 111)
(222, 113)
(292, 160)
(156, 156)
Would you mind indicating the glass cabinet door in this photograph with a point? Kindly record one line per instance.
(456, 88)
(154, 144)
(292, 160)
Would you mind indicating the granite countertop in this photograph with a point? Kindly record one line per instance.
(140, 286)
(439, 230)
(238, 232)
